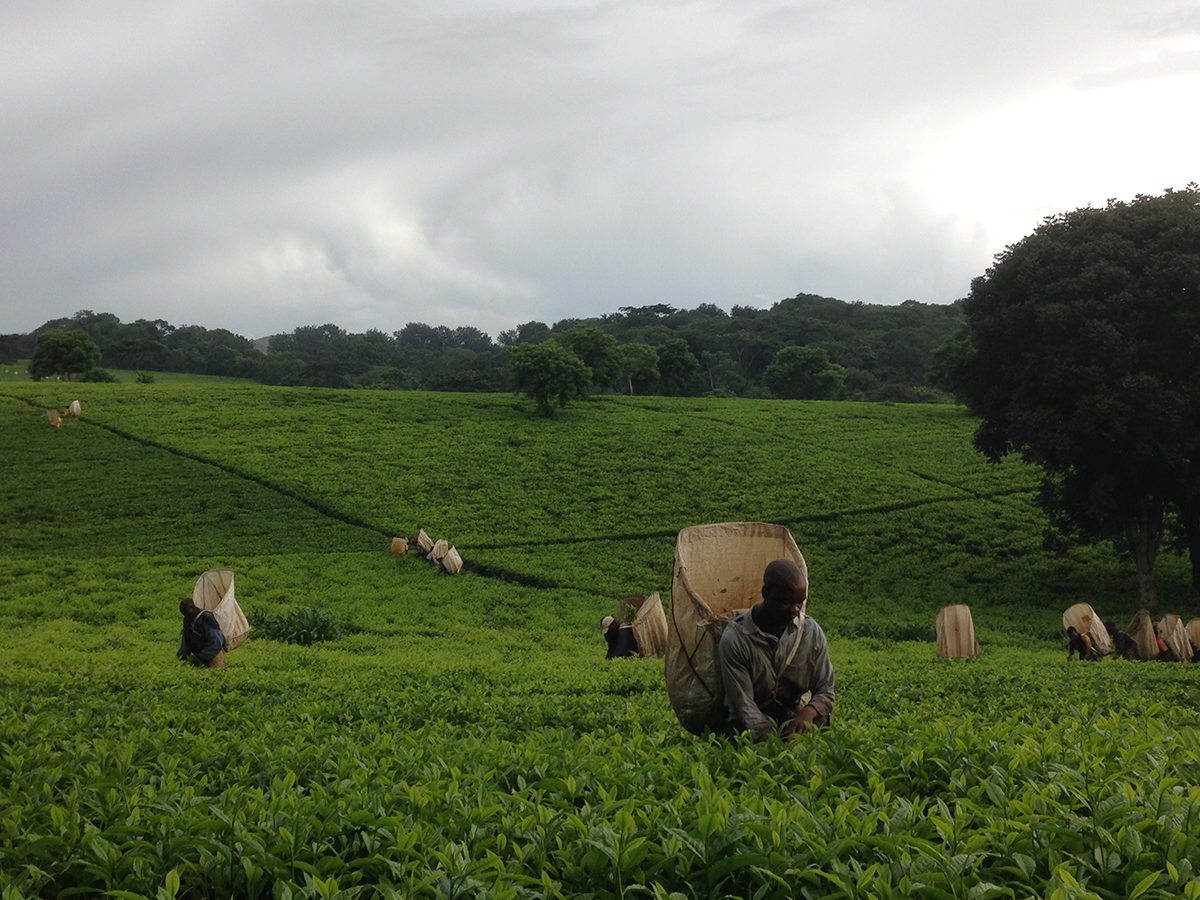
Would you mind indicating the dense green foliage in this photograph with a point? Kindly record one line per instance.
(804, 373)
(882, 350)
(468, 739)
(1084, 358)
(547, 372)
(638, 366)
(64, 353)
(597, 349)
(145, 344)
(303, 626)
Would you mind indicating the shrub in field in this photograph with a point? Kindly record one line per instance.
(98, 376)
(301, 626)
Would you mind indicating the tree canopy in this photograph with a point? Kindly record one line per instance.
(638, 362)
(598, 350)
(804, 373)
(548, 371)
(67, 353)
(697, 352)
(1084, 358)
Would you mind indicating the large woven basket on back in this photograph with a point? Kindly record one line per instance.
(718, 573)
(214, 592)
(1083, 618)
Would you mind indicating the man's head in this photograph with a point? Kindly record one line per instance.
(784, 590)
(188, 608)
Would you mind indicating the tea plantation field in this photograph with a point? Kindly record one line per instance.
(466, 738)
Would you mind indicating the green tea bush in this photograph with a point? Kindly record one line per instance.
(907, 631)
(1045, 634)
(299, 626)
(98, 376)
(468, 739)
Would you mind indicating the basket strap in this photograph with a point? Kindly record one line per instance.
(699, 603)
(787, 662)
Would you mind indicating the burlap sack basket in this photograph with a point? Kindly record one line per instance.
(1171, 630)
(956, 633)
(214, 592)
(649, 622)
(424, 541)
(718, 573)
(1083, 619)
(1142, 632)
(1193, 631)
(452, 562)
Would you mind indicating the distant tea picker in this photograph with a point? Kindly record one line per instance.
(213, 623)
(438, 552)
(74, 411)
(638, 629)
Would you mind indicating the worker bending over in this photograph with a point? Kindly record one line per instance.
(1081, 643)
(772, 655)
(202, 639)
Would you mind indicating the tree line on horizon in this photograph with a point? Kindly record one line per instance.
(835, 350)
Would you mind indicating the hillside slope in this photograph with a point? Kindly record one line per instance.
(896, 513)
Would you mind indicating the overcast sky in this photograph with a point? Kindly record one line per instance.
(259, 166)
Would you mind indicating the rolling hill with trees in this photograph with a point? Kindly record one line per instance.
(859, 351)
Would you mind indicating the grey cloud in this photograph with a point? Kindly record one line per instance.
(262, 166)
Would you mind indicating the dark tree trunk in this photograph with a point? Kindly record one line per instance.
(1144, 534)
(1189, 518)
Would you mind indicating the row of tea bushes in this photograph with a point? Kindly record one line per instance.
(425, 777)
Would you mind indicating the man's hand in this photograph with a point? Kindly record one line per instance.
(802, 723)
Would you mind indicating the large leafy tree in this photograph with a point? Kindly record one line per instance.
(676, 366)
(68, 353)
(598, 350)
(547, 371)
(804, 373)
(1085, 360)
(638, 362)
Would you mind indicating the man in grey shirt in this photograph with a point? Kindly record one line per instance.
(772, 656)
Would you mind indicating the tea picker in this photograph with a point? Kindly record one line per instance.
(213, 621)
(720, 574)
(202, 641)
(638, 629)
(439, 552)
(956, 633)
(74, 411)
